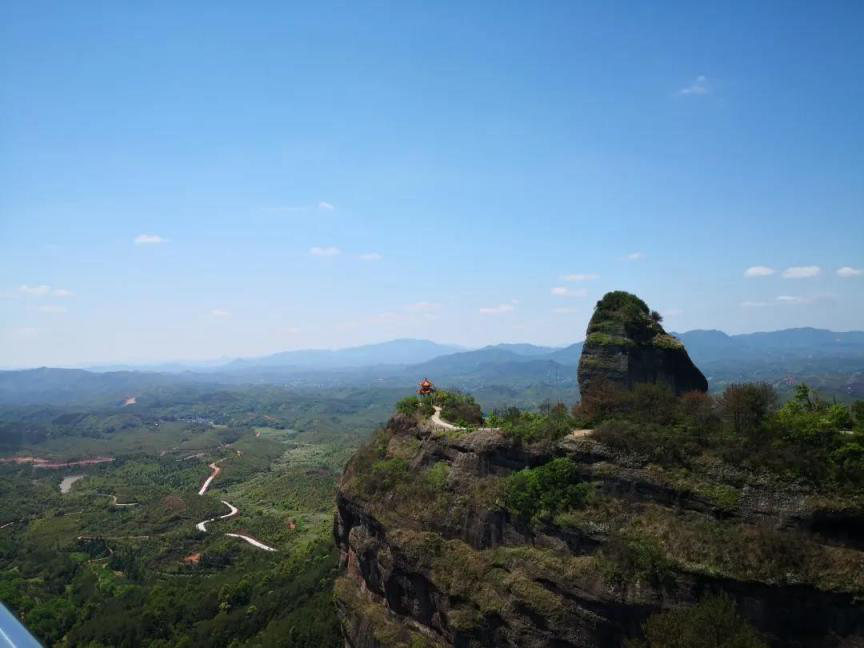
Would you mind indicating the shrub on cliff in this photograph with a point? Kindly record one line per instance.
(713, 623)
(618, 308)
(550, 424)
(408, 405)
(626, 561)
(858, 415)
(807, 439)
(545, 491)
(663, 445)
(458, 408)
(414, 406)
(647, 403)
(745, 408)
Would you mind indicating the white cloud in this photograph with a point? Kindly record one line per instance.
(790, 299)
(43, 290)
(580, 277)
(802, 272)
(759, 271)
(370, 256)
(36, 291)
(698, 87)
(51, 308)
(325, 251)
(635, 256)
(327, 206)
(221, 313)
(847, 272)
(148, 239)
(562, 291)
(500, 309)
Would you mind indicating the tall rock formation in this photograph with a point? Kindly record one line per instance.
(625, 345)
(477, 537)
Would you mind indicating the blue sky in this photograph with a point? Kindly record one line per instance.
(206, 179)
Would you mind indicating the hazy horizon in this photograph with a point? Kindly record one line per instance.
(217, 360)
(183, 184)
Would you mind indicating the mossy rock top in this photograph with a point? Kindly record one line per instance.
(623, 315)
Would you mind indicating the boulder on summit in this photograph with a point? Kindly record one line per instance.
(626, 345)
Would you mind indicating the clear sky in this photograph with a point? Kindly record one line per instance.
(186, 180)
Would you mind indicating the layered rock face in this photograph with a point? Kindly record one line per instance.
(625, 346)
(432, 556)
(455, 537)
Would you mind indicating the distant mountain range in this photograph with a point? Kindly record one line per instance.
(829, 360)
(394, 352)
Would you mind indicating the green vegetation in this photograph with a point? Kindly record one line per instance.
(543, 492)
(76, 566)
(620, 314)
(550, 423)
(807, 439)
(408, 406)
(459, 408)
(622, 319)
(628, 560)
(712, 623)
(392, 478)
(605, 339)
(81, 570)
(456, 407)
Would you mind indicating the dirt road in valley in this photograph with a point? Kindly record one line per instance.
(251, 541)
(232, 510)
(216, 470)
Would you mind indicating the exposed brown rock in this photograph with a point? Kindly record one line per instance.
(448, 565)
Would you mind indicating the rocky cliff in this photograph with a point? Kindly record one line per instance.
(434, 554)
(625, 345)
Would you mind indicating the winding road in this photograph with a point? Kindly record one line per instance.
(232, 510)
(202, 526)
(251, 541)
(216, 470)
